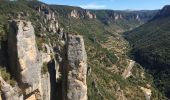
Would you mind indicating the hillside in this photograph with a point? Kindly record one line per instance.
(151, 46)
(120, 21)
(54, 51)
(99, 35)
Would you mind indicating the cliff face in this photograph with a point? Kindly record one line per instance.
(77, 69)
(25, 60)
(85, 14)
(114, 16)
(74, 14)
(46, 87)
(49, 18)
(27, 64)
(23, 55)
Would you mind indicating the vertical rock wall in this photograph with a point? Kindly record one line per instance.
(23, 55)
(45, 81)
(25, 61)
(77, 68)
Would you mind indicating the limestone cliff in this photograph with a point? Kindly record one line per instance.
(26, 61)
(90, 15)
(84, 14)
(77, 68)
(28, 64)
(49, 18)
(46, 87)
(74, 14)
(23, 55)
(62, 61)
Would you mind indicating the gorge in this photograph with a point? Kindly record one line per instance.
(57, 52)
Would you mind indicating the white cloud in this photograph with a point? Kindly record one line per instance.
(93, 6)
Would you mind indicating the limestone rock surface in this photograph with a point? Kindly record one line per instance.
(77, 68)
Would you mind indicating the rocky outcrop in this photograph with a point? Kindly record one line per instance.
(90, 15)
(138, 18)
(84, 14)
(117, 16)
(45, 53)
(9, 92)
(49, 18)
(46, 87)
(112, 16)
(147, 92)
(64, 59)
(77, 68)
(127, 71)
(23, 55)
(26, 61)
(74, 14)
(53, 26)
(58, 52)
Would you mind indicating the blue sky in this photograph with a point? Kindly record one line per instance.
(113, 4)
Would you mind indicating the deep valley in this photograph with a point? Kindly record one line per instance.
(58, 52)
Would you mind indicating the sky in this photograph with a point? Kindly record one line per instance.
(113, 4)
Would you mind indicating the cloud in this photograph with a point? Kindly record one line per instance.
(93, 6)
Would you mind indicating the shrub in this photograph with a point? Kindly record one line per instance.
(6, 76)
(3, 35)
(12, 82)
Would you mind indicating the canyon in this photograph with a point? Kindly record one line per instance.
(57, 52)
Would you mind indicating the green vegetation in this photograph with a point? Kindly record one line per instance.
(103, 84)
(3, 35)
(44, 68)
(151, 48)
(6, 76)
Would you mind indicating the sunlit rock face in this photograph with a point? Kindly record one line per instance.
(84, 14)
(26, 61)
(23, 54)
(74, 14)
(77, 68)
